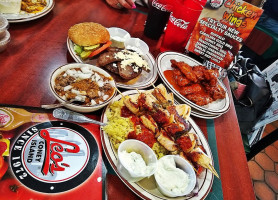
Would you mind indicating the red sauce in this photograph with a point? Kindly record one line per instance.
(125, 112)
(145, 136)
(132, 135)
(169, 75)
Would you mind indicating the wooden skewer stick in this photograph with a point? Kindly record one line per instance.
(194, 169)
(210, 167)
(119, 92)
(213, 169)
(138, 91)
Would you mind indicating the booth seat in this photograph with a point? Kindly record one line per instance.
(263, 42)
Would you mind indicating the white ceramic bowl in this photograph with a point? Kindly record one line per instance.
(118, 36)
(183, 165)
(138, 45)
(118, 32)
(77, 107)
(140, 148)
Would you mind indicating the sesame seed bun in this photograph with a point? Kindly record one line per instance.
(88, 34)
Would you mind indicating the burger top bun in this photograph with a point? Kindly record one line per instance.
(88, 34)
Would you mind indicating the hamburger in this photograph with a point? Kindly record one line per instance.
(89, 39)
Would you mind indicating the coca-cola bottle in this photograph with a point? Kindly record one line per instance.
(157, 19)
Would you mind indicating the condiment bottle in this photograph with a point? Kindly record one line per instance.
(11, 118)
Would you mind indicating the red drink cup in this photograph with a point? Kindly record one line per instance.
(180, 26)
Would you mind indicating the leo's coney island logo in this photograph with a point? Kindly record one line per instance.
(53, 157)
(5, 118)
(178, 22)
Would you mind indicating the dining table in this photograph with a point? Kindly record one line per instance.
(39, 46)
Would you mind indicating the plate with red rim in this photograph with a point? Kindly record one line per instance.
(146, 188)
(23, 16)
(145, 80)
(214, 108)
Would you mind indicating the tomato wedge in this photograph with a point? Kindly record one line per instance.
(102, 48)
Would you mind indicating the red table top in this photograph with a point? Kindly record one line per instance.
(38, 47)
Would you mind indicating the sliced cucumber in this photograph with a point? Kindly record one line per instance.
(85, 54)
(90, 48)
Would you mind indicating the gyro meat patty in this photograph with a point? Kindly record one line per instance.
(113, 67)
(127, 64)
(107, 58)
(128, 72)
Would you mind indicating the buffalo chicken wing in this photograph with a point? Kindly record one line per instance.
(198, 84)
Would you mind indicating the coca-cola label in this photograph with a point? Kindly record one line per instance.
(179, 22)
(54, 157)
(6, 118)
(159, 6)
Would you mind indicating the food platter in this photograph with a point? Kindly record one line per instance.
(214, 108)
(197, 113)
(24, 16)
(146, 188)
(145, 80)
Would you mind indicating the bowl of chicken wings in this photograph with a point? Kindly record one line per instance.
(193, 83)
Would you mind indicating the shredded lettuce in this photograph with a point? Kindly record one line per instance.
(78, 49)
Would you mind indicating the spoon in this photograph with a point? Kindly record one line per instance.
(57, 105)
(68, 115)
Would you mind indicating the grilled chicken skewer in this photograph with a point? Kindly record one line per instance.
(193, 150)
(156, 111)
(197, 155)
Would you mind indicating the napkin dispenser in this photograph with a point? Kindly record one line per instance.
(10, 6)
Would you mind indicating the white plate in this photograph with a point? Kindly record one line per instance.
(197, 113)
(146, 188)
(24, 16)
(203, 115)
(163, 63)
(145, 80)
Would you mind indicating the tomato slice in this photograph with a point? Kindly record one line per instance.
(102, 48)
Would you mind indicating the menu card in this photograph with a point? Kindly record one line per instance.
(221, 29)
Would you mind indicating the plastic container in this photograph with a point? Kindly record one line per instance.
(5, 40)
(4, 25)
(10, 6)
(138, 147)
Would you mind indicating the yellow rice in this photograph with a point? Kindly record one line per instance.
(119, 127)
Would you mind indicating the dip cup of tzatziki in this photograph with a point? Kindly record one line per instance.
(136, 160)
(174, 176)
